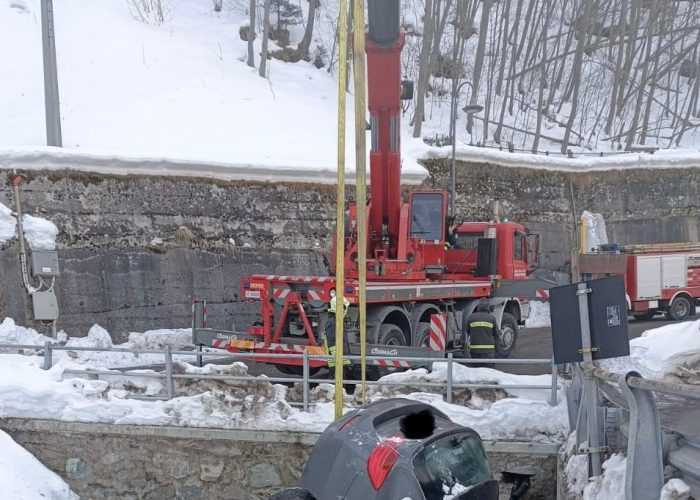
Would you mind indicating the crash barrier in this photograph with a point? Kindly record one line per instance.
(449, 386)
(602, 429)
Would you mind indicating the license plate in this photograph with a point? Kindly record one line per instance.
(252, 294)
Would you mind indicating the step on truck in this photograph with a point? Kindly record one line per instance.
(419, 290)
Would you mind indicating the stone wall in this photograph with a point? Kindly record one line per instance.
(115, 272)
(102, 461)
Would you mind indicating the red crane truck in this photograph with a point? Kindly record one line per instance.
(412, 279)
(659, 277)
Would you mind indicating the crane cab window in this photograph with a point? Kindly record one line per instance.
(427, 217)
(468, 241)
(519, 247)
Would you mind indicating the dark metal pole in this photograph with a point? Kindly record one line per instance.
(453, 137)
(51, 101)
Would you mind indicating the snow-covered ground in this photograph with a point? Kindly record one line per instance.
(28, 391)
(23, 477)
(669, 352)
(179, 98)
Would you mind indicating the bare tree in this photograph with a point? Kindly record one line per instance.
(309, 30)
(266, 36)
(423, 69)
(251, 34)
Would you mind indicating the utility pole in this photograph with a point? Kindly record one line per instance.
(51, 101)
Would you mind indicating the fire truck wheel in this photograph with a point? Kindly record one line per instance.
(509, 335)
(391, 335)
(422, 335)
(679, 308)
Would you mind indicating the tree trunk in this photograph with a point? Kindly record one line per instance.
(423, 69)
(576, 73)
(251, 34)
(266, 36)
(480, 51)
(309, 31)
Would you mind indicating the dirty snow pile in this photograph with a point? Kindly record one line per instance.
(611, 484)
(669, 352)
(98, 337)
(493, 413)
(539, 315)
(23, 477)
(28, 391)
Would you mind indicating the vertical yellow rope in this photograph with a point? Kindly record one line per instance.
(361, 177)
(340, 208)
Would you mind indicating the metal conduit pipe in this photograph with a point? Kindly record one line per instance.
(16, 181)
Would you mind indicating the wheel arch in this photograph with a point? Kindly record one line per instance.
(377, 316)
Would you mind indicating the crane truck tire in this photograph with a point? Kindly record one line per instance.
(679, 309)
(422, 335)
(505, 343)
(296, 370)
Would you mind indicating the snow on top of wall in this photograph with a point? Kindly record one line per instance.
(28, 391)
(8, 223)
(22, 476)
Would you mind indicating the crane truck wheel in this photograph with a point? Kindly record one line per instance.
(679, 308)
(505, 343)
(422, 335)
(390, 335)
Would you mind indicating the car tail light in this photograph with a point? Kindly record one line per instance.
(380, 462)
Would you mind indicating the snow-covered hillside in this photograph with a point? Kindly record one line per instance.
(182, 90)
(179, 90)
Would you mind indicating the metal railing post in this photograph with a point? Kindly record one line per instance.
(199, 356)
(644, 477)
(305, 375)
(448, 396)
(169, 385)
(555, 382)
(48, 356)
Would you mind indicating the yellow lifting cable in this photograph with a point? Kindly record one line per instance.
(361, 178)
(340, 206)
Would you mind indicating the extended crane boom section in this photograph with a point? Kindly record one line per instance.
(422, 281)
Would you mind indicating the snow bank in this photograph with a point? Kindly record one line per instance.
(8, 223)
(539, 315)
(675, 489)
(39, 233)
(27, 391)
(23, 477)
(671, 351)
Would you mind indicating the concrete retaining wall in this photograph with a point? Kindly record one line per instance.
(102, 461)
(114, 274)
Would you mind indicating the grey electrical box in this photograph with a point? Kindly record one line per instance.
(45, 306)
(45, 263)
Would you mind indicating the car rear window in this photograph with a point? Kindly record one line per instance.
(449, 466)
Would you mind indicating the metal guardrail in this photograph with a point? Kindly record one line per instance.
(649, 447)
(306, 380)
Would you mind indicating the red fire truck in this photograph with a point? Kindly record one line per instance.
(659, 278)
(418, 292)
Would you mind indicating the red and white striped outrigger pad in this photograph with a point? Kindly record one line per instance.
(317, 297)
(293, 279)
(279, 293)
(438, 332)
(392, 363)
(542, 294)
